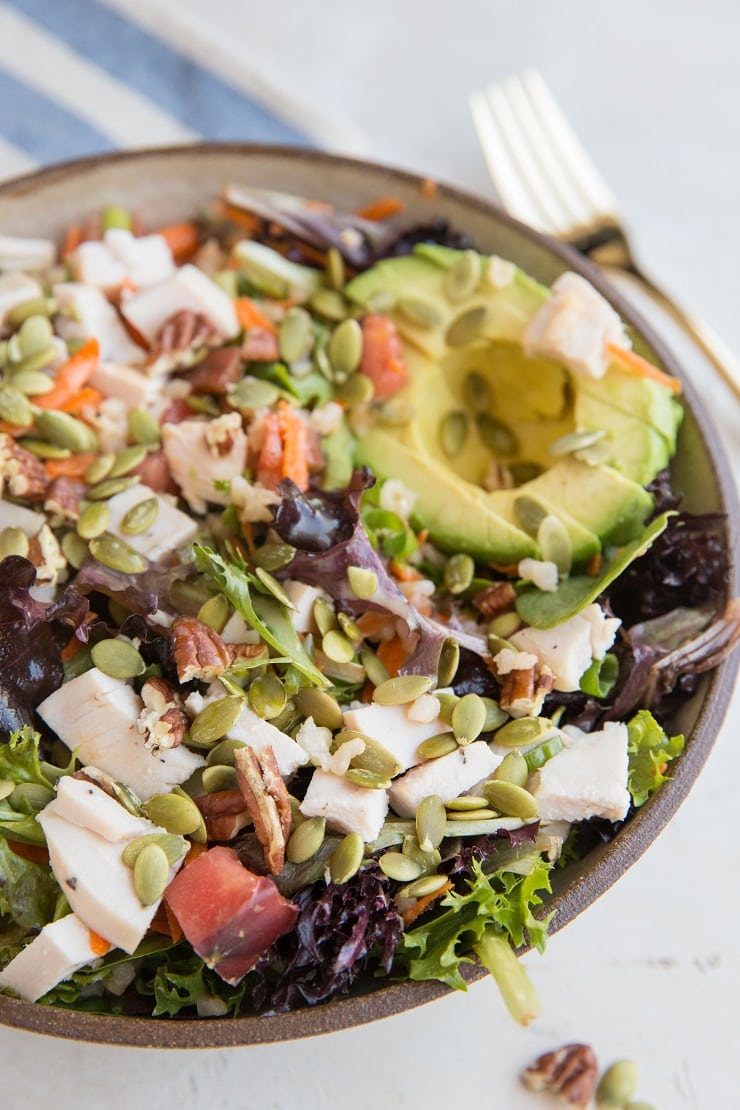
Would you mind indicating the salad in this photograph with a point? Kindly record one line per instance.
(343, 596)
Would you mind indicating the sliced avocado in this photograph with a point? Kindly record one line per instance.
(454, 511)
(648, 400)
(503, 501)
(636, 449)
(613, 506)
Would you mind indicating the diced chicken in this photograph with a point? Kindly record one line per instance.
(169, 530)
(586, 779)
(507, 661)
(541, 573)
(146, 259)
(187, 288)
(449, 776)
(60, 949)
(21, 253)
(303, 597)
(94, 263)
(237, 631)
(87, 805)
(96, 715)
(569, 648)
(252, 730)
(574, 326)
(196, 465)
(127, 384)
(16, 516)
(391, 727)
(346, 807)
(15, 288)
(84, 312)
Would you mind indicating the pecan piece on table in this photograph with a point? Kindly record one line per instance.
(162, 720)
(21, 473)
(570, 1072)
(198, 651)
(267, 800)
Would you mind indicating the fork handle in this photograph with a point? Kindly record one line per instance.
(706, 339)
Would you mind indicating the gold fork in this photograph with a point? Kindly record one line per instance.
(545, 177)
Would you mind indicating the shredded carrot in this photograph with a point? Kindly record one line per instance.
(372, 624)
(71, 376)
(74, 647)
(85, 397)
(423, 904)
(382, 209)
(636, 364)
(99, 945)
(36, 853)
(392, 655)
(270, 462)
(403, 572)
(295, 446)
(183, 239)
(72, 239)
(250, 316)
(73, 467)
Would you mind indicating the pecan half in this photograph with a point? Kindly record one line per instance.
(570, 1072)
(267, 800)
(260, 345)
(199, 651)
(496, 598)
(162, 720)
(217, 372)
(21, 473)
(524, 691)
(225, 813)
(185, 329)
(63, 497)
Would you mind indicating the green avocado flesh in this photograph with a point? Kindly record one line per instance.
(484, 415)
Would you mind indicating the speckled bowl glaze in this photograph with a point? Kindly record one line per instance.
(170, 184)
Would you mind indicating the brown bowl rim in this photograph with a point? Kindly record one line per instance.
(621, 852)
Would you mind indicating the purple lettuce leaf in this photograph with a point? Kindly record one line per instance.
(141, 593)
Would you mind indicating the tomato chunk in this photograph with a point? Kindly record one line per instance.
(382, 356)
(229, 915)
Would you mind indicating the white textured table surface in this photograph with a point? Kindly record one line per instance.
(652, 971)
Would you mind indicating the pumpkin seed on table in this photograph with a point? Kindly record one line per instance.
(128, 459)
(431, 819)
(453, 432)
(345, 347)
(65, 431)
(306, 840)
(462, 278)
(116, 554)
(401, 868)
(267, 696)
(143, 428)
(346, 858)
(468, 718)
(467, 327)
(215, 720)
(109, 487)
(497, 436)
(174, 847)
(117, 658)
(459, 572)
(15, 408)
(218, 778)
(511, 800)
(402, 689)
(175, 812)
(13, 541)
(151, 874)
(436, 746)
(423, 313)
(617, 1085)
(93, 520)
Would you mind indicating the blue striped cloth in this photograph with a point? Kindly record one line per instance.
(84, 76)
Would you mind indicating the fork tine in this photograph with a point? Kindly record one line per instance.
(571, 151)
(505, 176)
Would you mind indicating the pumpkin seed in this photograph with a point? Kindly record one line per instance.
(116, 554)
(362, 582)
(529, 513)
(143, 428)
(523, 472)
(117, 658)
(30, 797)
(431, 819)
(7, 786)
(594, 456)
(329, 304)
(496, 435)
(128, 459)
(382, 300)
(93, 520)
(467, 327)
(356, 391)
(420, 888)
(345, 347)
(495, 715)
(35, 335)
(375, 669)
(401, 868)
(334, 269)
(175, 812)
(34, 306)
(98, 469)
(511, 799)
(574, 441)
(402, 689)
(375, 758)
(360, 777)
(449, 660)
(151, 874)
(497, 644)
(555, 544)
(74, 549)
(306, 840)
(512, 768)
(33, 383)
(484, 813)
(44, 450)
(337, 647)
(464, 803)
(267, 696)
(215, 720)
(15, 407)
(65, 431)
(272, 585)
(459, 572)
(140, 517)
(223, 753)
(13, 541)
(429, 861)
(435, 746)
(504, 625)
(525, 730)
(468, 718)
(462, 278)
(324, 615)
(215, 612)
(273, 555)
(453, 433)
(419, 311)
(477, 391)
(251, 394)
(617, 1085)
(320, 705)
(37, 361)
(174, 847)
(447, 702)
(346, 858)
(109, 487)
(295, 334)
(218, 778)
